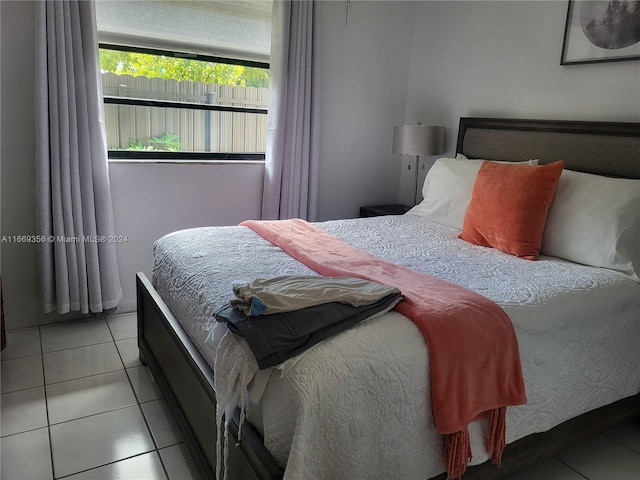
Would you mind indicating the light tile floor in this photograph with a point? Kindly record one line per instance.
(77, 403)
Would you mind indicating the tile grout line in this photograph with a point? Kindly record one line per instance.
(570, 467)
(135, 395)
(153, 439)
(74, 348)
(91, 415)
(46, 406)
(80, 378)
(104, 465)
(620, 443)
(139, 403)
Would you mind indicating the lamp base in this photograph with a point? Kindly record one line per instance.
(415, 184)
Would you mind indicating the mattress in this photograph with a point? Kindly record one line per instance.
(334, 411)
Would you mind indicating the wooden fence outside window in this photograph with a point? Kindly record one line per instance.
(196, 130)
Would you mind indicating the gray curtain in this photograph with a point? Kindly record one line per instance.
(77, 260)
(291, 172)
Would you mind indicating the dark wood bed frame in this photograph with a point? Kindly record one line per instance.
(605, 148)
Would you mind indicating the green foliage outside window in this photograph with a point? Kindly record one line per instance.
(169, 142)
(160, 66)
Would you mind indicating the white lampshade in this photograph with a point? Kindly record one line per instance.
(418, 140)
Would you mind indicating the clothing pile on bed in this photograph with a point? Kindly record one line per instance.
(282, 317)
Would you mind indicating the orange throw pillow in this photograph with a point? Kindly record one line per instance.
(509, 205)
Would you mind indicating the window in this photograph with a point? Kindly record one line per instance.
(160, 104)
(185, 80)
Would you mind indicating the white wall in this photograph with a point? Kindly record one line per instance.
(150, 201)
(19, 279)
(502, 59)
(364, 70)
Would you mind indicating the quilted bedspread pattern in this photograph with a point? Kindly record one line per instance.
(356, 406)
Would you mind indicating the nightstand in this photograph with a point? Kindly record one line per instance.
(378, 210)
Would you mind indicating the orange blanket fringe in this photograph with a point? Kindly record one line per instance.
(457, 447)
(473, 350)
(457, 453)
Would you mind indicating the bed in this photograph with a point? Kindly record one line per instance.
(177, 343)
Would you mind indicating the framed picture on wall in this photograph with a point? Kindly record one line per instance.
(601, 31)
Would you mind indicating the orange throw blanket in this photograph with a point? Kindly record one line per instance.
(473, 350)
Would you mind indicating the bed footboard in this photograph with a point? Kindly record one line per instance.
(187, 384)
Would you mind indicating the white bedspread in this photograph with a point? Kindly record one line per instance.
(357, 405)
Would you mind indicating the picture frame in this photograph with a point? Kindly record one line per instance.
(601, 31)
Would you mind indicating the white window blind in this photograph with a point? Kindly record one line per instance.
(239, 29)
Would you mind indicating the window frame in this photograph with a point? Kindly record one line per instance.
(178, 155)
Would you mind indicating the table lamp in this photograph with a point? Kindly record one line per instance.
(417, 140)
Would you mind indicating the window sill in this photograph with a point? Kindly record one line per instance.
(185, 162)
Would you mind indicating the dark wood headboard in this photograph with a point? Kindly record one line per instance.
(603, 148)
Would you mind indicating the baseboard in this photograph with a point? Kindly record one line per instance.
(127, 305)
(27, 320)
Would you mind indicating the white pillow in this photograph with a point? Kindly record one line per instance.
(447, 190)
(595, 221)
